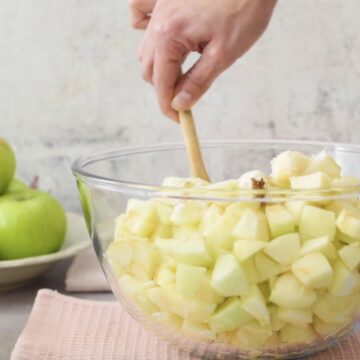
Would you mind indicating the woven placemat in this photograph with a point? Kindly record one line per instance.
(68, 328)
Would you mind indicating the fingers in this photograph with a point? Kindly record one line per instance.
(140, 11)
(166, 73)
(198, 79)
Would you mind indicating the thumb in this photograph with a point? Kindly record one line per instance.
(193, 84)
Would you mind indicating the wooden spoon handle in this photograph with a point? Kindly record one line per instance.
(197, 167)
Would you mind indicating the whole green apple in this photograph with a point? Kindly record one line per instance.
(16, 186)
(32, 223)
(7, 165)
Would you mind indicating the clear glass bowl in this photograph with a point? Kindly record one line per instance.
(107, 180)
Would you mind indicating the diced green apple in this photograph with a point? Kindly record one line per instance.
(300, 317)
(207, 293)
(316, 222)
(348, 224)
(252, 226)
(244, 249)
(323, 162)
(165, 276)
(120, 254)
(286, 164)
(254, 304)
(166, 319)
(350, 255)
(329, 309)
(250, 270)
(294, 334)
(185, 232)
(321, 244)
(313, 270)
(210, 217)
(130, 285)
(316, 180)
(266, 267)
(295, 208)
(253, 335)
(188, 279)
(198, 330)
(338, 206)
(145, 260)
(141, 217)
(275, 323)
(187, 213)
(344, 280)
(142, 298)
(228, 277)
(288, 292)
(325, 329)
(162, 231)
(163, 212)
(280, 220)
(192, 252)
(229, 316)
(237, 209)
(284, 249)
(201, 311)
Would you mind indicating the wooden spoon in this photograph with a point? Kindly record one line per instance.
(197, 167)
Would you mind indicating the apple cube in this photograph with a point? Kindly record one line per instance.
(167, 320)
(237, 209)
(201, 311)
(313, 270)
(188, 279)
(324, 329)
(322, 245)
(145, 260)
(165, 276)
(344, 280)
(294, 334)
(198, 330)
(250, 270)
(187, 213)
(284, 249)
(185, 232)
(252, 226)
(162, 231)
(192, 252)
(346, 181)
(229, 316)
(300, 317)
(316, 180)
(286, 164)
(324, 162)
(338, 206)
(210, 217)
(243, 249)
(316, 222)
(254, 304)
(345, 238)
(275, 323)
(120, 255)
(142, 298)
(206, 293)
(228, 277)
(141, 217)
(253, 335)
(219, 234)
(129, 285)
(330, 310)
(350, 255)
(280, 220)
(266, 267)
(288, 292)
(295, 208)
(163, 211)
(348, 224)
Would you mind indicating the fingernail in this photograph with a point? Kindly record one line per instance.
(182, 101)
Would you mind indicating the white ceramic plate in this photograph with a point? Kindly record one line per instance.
(14, 273)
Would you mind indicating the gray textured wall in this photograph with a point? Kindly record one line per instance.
(70, 83)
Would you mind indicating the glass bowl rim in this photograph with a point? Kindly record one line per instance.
(151, 190)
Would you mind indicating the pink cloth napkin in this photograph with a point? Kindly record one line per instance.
(67, 328)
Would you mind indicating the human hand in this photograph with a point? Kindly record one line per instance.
(221, 30)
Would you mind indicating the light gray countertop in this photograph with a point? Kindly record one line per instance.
(15, 305)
